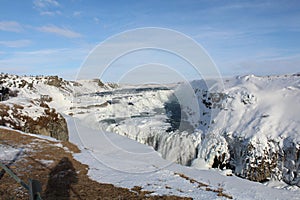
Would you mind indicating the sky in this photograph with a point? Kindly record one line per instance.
(54, 37)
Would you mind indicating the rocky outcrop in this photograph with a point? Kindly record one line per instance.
(48, 122)
(52, 124)
(260, 163)
(55, 81)
(291, 164)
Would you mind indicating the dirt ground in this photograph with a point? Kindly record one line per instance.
(61, 176)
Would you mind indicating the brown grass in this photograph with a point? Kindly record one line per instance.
(206, 187)
(65, 178)
(50, 123)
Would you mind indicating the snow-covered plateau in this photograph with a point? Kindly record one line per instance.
(246, 125)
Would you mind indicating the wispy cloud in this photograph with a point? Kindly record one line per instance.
(47, 7)
(96, 20)
(59, 31)
(245, 5)
(77, 13)
(213, 33)
(15, 43)
(11, 26)
(45, 3)
(50, 13)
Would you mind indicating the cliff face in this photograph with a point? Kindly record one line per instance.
(261, 162)
(256, 130)
(51, 124)
(34, 119)
(30, 109)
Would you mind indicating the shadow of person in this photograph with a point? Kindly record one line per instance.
(61, 177)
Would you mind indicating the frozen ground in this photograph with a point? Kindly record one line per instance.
(123, 162)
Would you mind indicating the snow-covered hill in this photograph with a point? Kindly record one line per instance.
(256, 133)
(249, 125)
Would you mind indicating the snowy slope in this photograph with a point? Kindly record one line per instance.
(257, 132)
(123, 162)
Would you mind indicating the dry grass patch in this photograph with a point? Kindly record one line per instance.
(64, 178)
(206, 187)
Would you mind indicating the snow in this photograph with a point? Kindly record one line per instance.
(44, 137)
(8, 153)
(243, 123)
(261, 112)
(269, 98)
(46, 162)
(248, 111)
(117, 160)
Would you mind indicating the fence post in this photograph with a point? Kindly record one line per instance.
(35, 189)
(34, 186)
(14, 176)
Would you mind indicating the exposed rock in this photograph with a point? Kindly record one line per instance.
(55, 81)
(272, 162)
(100, 83)
(291, 164)
(52, 124)
(76, 84)
(46, 98)
(49, 123)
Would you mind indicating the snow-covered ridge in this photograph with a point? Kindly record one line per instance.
(34, 103)
(251, 125)
(258, 130)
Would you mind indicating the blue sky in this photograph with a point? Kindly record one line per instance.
(242, 37)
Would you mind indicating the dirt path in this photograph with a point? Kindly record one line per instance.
(62, 177)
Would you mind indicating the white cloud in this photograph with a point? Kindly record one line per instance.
(47, 7)
(77, 13)
(11, 26)
(50, 13)
(59, 31)
(207, 33)
(15, 43)
(96, 20)
(45, 3)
